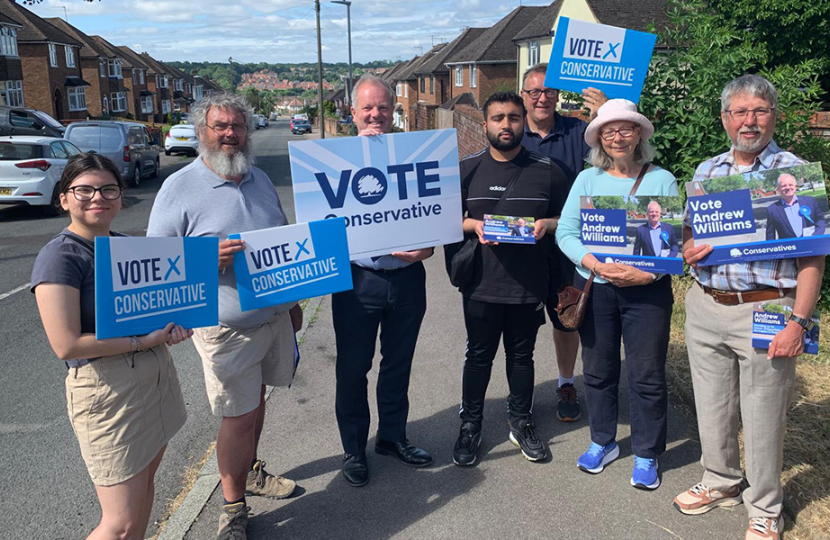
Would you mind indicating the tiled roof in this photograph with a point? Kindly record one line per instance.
(6, 20)
(389, 74)
(111, 50)
(542, 24)
(158, 67)
(496, 45)
(135, 59)
(90, 48)
(466, 98)
(436, 63)
(35, 29)
(415, 66)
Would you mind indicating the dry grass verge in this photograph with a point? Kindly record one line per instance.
(806, 475)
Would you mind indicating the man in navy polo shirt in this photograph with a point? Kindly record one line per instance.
(562, 139)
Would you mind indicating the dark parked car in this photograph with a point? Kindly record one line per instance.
(20, 121)
(300, 127)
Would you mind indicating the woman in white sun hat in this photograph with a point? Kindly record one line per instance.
(625, 304)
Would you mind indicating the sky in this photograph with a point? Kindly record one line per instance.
(277, 31)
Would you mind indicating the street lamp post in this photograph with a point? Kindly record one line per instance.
(348, 5)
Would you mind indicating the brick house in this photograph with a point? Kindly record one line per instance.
(133, 79)
(182, 86)
(488, 63)
(105, 94)
(142, 98)
(434, 76)
(535, 41)
(403, 84)
(49, 58)
(159, 83)
(11, 68)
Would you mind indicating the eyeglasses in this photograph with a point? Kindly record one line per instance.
(110, 192)
(611, 134)
(741, 114)
(222, 128)
(536, 93)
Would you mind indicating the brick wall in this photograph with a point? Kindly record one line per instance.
(493, 77)
(424, 116)
(407, 99)
(431, 98)
(42, 81)
(91, 70)
(134, 95)
(471, 138)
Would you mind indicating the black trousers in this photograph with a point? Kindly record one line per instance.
(394, 302)
(641, 318)
(486, 322)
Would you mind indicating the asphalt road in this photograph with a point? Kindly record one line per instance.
(47, 493)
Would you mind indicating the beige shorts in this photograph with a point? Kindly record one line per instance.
(124, 410)
(238, 361)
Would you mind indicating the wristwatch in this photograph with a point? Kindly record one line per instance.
(806, 324)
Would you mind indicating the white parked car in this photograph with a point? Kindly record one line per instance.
(30, 169)
(181, 138)
(260, 121)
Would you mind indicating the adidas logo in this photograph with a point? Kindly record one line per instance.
(497, 188)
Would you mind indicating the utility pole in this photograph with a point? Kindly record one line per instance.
(320, 74)
(348, 5)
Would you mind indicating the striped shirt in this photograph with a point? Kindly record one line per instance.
(779, 273)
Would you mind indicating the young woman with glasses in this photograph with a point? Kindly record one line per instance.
(123, 395)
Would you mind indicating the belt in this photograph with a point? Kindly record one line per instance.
(729, 298)
(78, 362)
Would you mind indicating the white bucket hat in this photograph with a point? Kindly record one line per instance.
(615, 110)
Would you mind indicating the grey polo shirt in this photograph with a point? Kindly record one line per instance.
(195, 201)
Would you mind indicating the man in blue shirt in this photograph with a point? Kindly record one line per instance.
(562, 139)
(793, 216)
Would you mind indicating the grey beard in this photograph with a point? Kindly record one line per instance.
(228, 166)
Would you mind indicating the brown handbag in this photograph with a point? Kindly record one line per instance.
(572, 302)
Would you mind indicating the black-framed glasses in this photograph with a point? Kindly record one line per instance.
(741, 114)
(536, 93)
(625, 133)
(222, 128)
(110, 192)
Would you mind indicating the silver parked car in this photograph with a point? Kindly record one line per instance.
(31, 168)
(127, 144)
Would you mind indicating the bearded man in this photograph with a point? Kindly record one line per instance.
(506, 295)
(221, 193)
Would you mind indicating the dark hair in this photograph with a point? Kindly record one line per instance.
(503, 97)
(84, 163)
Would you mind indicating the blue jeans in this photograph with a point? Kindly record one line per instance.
(640, 317)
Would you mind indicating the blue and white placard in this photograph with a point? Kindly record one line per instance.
(769, 318)
(397, 192)
(290, 263)
(614, 60)
(141, 284)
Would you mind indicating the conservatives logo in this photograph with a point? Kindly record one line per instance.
(735, 252)
(369, 188)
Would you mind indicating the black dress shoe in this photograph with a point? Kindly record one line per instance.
(408, 454)
(355, 470)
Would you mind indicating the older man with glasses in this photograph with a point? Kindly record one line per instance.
(728, 373)
(562, 139)
(218, 194)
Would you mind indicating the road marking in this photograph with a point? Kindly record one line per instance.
(11, 292)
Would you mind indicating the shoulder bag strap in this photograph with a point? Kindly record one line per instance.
(639, 180)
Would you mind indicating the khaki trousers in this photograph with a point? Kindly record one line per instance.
(728, 373)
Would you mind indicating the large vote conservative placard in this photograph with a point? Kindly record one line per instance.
(614, 60)
(141, 284)
(397, 192)
(640, 231)
(770, 214)
(290, 263)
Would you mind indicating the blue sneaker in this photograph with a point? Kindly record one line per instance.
(645, 474)
(597, 457)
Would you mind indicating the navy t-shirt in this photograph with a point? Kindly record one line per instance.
(565, 145)
(69, 259)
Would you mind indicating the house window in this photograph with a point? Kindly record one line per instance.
(106, 103)
(77, 98)
(147, 105)
(398, 90)
(70, 56)
(459, 76)
(423, 84)
(119, 101)
(189, 88)
(102, 68)
(115, 68)
(165, 106)
(163, 81)
(198, 92)
(53, 55)
(533, 53)
(141, 77)
(473, 76)
(178, 85)
(406, 89)
(8, 41)
(11, 93)
(134, 77)
(431, 84)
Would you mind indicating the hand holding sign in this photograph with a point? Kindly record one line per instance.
(226, 250)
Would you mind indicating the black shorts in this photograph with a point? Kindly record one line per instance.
(562, 273)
